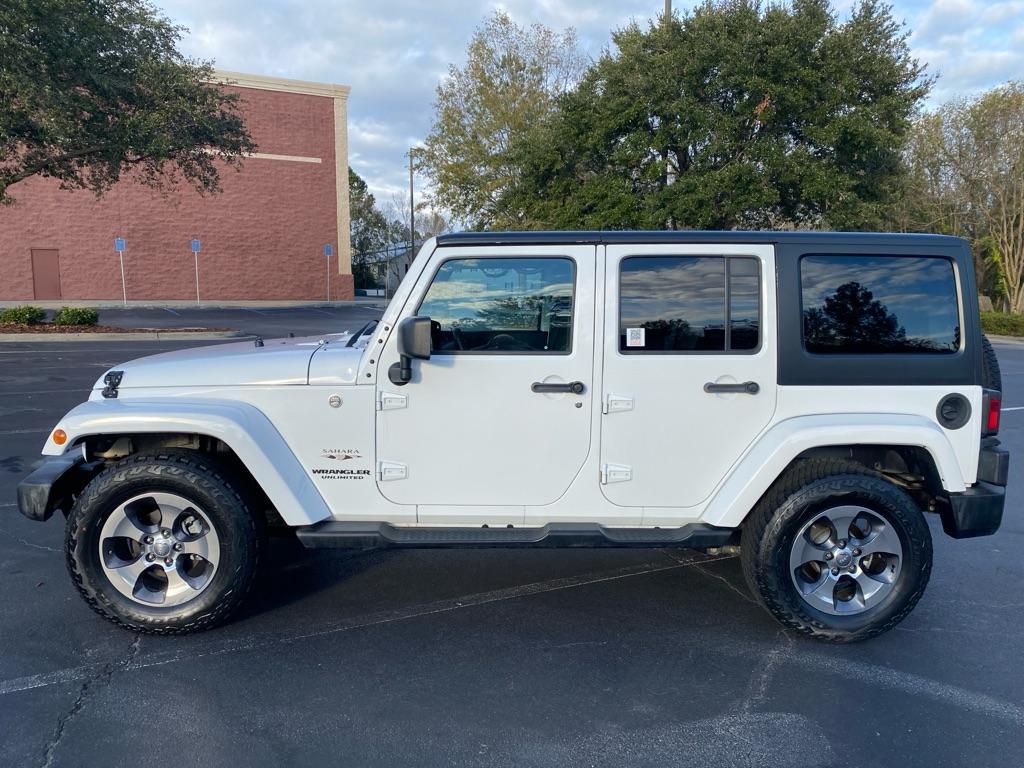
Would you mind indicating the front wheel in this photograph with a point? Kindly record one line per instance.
(163, 543)
(837, 551)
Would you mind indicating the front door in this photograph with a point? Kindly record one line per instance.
(490, 424)
(689, 369)
(46, 273)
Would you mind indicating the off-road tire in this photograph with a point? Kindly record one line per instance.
(204, 481)
(991, 376)
(808, 487)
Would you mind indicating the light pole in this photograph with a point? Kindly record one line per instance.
(196, 245)
(412, 208)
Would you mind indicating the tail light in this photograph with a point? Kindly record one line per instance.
(992, 404)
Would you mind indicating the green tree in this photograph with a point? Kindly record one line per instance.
(92, 89)
(965, 176)
(370, 232)
(734, 114)
(987, 150)
(509, 82)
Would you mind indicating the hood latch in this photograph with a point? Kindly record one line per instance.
(113, 381)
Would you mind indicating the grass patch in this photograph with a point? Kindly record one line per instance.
(1002, 323)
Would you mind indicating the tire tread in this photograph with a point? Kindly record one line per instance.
(211, 477)
(765, 523)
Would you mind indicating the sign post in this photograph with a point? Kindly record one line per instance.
(328, 252)
(195, 253)
(119, 248)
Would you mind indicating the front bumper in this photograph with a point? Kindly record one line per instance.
(54, 484)
(978, 511)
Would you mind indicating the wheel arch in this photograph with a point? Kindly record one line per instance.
(246, 434)
(904, 447)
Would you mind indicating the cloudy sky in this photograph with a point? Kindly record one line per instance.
(394, 52)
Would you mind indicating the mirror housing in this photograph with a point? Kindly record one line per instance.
(414, 338)
(414, 342)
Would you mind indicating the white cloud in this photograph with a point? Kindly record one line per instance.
(394, 52)
(970, 44)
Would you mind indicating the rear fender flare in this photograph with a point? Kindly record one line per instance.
(777, 447)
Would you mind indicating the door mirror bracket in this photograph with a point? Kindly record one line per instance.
(414, 342)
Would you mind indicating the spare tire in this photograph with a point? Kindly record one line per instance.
(991, 378)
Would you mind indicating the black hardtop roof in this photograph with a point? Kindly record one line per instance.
(692, 236)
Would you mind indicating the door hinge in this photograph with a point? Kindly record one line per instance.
(389, 401)
(391, 470)
(616, 473)
(617, 403)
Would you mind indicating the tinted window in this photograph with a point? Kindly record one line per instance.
(689, 303)
(501, 305)
(879, 304)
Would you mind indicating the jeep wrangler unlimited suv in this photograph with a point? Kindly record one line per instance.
(807, 397)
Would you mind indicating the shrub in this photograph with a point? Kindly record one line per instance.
(76, 316)
(23, 315)
(1002, 323)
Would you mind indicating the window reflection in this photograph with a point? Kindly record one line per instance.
(678, 304)
(879, 304)
(501, 305)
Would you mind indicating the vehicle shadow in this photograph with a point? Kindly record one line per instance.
(291, 573)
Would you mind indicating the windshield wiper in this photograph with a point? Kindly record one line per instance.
(368, 328)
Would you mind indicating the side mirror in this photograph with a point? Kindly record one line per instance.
(414, 342)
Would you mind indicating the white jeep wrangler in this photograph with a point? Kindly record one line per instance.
(807, 397)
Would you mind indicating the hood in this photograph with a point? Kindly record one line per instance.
(278, 362)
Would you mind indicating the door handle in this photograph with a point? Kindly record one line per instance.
(573, 387)
(742, 388)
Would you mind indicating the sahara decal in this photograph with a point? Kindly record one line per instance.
(341, 454)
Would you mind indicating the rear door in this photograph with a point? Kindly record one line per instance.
(689, 369)
(482, 431)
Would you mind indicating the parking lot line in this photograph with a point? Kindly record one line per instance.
(201, 650)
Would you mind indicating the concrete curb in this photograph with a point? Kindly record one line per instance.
(140, 336)
(1005, 339)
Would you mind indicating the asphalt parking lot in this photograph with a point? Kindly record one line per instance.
(490, 658)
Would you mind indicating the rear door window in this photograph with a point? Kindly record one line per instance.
(689, 304)
(879, 304)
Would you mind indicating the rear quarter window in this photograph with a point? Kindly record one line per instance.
(879, 304)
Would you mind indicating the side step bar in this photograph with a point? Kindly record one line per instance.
(369, 535)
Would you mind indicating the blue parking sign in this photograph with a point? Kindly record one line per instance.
(119, 244)
(328, 250)
(195, 246)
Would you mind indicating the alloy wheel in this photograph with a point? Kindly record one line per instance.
(845, 560)
(159, 549)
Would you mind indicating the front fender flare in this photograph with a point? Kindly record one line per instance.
(779, 445)
(240, 426)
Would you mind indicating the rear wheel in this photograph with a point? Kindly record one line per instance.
(163, 543)
(837, 551)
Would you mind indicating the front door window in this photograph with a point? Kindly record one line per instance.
(521, 305)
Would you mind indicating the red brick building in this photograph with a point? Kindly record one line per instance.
(261, 239)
